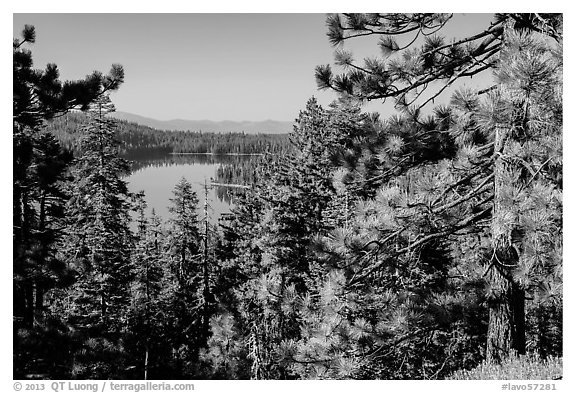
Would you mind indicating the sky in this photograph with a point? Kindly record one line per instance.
(203, 66)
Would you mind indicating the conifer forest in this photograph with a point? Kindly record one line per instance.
(424, 244)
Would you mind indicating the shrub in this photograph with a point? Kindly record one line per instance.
(515, 367)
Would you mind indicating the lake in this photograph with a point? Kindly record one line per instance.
(157, 176)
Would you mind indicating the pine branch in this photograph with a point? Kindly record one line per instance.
(495, 30)
(455, 77)
(474, 192)
(459, 182)
(537, 171)
(444, 233)
(391, 346)
(483, 49)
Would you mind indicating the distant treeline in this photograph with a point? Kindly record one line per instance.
(141, 141)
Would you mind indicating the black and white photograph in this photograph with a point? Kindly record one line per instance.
(287, 196)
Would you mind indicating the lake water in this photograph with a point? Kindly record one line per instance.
(158, 176)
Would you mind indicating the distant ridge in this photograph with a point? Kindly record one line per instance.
(249, 127)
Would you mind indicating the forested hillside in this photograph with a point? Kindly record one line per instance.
(141, 141)
(424, 245)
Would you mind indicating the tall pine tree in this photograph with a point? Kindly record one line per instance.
(98, 240)
(184, 292)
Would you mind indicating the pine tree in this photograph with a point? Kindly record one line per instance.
(184, 292)
(463, 171)
(225, 355)
(526, 116)
(148, 306)
(98, 240)
(39, 172)
(38, 96)
(183, 230)
(273, 259)
(379, 325)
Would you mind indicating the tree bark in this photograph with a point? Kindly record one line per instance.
(506, 326)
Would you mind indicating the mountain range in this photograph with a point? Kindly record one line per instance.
(249, 127)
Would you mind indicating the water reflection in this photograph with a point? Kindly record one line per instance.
(157, 175)
(159, 158)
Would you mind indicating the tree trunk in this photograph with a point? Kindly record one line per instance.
(542, 339)
(506, 326)
(43, 252)
(103, 306)
(146, 363)
(206, 289)
(29, 304)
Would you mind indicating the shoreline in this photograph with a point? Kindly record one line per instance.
(219, 154)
